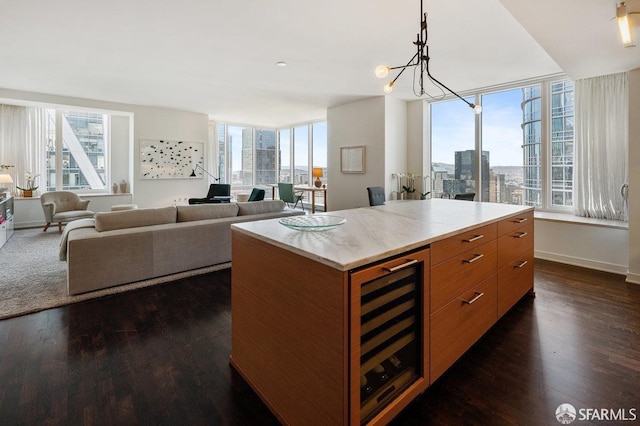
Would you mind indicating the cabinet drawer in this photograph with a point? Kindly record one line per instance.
(455, 276)
(512, 223)
(514, 281)
(515, 244)
(452, 246)
(460, 324)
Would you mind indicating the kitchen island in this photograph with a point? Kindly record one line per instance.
(349, 325)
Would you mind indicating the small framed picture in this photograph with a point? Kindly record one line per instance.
(352, 159)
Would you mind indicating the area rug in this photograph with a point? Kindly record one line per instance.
(33, 279)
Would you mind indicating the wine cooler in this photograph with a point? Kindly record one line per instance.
(388, 334)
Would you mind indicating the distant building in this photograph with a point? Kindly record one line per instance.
(497, 188)
(465, 172)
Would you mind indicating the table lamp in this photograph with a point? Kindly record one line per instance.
(4, 179)
(317, 173)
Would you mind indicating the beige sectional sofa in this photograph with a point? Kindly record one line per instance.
(127, 246)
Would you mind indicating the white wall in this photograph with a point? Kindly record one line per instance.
(590, 246)
(354, 124)
(158, 123)
(120, 157)
(418, 152)
(148, 123)
(395, 147)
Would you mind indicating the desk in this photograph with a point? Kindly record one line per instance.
(311, 189)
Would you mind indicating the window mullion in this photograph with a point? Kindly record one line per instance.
(545, 143)
(59, 150)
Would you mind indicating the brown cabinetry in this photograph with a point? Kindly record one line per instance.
(463, 294)
(352, 346)
(459, 324)
(515, 260)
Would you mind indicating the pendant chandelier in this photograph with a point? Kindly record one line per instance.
(420, 59)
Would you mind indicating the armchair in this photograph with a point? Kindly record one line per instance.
(63, 207)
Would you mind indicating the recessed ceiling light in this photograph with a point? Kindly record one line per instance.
(281, 64)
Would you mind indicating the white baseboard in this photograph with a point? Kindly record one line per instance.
(31, 224)
(585, 263)
(633, 278)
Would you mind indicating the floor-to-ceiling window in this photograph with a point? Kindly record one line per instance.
(562, 136)
(221, 169)
(453, 165)
(518, 153)
(265, 157)
(76, 157)
(532, 146)
(301, 155)
(285, 155)
(250, 156)
(502, 140)
(240, 156)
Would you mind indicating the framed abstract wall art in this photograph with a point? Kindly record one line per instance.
(352, 159)
(164, 159)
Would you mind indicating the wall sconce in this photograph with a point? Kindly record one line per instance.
(625, 24)
(198, 166)
(317, 173)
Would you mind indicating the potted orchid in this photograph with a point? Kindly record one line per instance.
(27, 190)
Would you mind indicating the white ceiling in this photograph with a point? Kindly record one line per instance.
(218, 56)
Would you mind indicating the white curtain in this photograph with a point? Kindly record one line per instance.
(601, 146)
(23, 141)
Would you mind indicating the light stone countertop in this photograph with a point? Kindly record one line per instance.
(371, 234)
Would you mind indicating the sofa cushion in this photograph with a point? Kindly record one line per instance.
(206, 211)
(257, 207)
(109, 221)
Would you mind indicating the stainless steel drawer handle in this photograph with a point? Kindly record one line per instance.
(477, 296)
(476, 238)
(522, 234)
(521, 264)
(476, 257)
(404, 265)
(524, 219)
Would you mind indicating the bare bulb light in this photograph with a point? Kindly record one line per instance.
(388, 88)
(476, 108)
(382, 71)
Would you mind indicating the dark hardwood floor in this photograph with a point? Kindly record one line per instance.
(160, 356)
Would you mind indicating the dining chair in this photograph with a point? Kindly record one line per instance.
(376, 195)
(289, 196)
(468, 196)
(257, 194)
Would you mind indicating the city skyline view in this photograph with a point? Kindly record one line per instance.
(510, 135)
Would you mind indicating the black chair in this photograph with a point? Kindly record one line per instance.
(376, 195)
(256, 195)
(218, 193)
(469, 196)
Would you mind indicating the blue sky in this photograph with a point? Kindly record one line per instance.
(453, 128)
